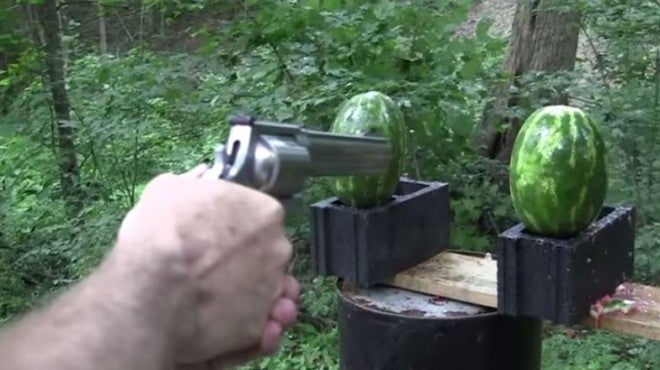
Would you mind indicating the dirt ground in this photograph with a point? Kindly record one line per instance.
(501, 13)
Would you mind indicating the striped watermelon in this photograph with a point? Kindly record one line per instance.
(371, 113)
(558, 171)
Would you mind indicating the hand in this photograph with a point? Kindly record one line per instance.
(282, 317)
(226, 243)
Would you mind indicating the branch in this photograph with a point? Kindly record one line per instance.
(283, 65)
(319, 323)
(73, 2)
(123, 26)
(598, 58)
(586, 101)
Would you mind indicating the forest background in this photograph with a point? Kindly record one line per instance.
(99, 96)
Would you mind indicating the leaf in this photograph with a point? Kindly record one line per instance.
(482, 28)
(472, 68)
(103, 74)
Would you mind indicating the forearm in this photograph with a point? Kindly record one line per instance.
(118, 318)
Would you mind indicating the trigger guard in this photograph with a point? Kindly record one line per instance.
(217, 170)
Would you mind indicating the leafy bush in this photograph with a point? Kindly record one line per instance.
(596, 350)
(142, 112)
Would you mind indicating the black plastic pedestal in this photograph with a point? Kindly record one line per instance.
(559, 279)
(370, 245)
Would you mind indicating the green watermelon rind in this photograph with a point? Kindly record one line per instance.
(558, 171)
(370, 113)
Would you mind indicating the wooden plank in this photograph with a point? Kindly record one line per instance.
(451, 275)
(645, 319)
(473, 279)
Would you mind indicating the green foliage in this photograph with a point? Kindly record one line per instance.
(624, 90)
(141, 112)
(595, 351)
(135, 117)
(647, 254)
(480, 209)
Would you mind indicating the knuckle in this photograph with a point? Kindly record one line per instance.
(161, 180)
(157, 184)
(285, 250)
(270, 211)
(275, 209)
(165, 177)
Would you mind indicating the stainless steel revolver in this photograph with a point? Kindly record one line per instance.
(278, 158)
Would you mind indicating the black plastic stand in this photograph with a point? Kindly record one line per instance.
(559, 279)
(366, 246)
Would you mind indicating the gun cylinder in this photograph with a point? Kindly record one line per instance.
(280, 165)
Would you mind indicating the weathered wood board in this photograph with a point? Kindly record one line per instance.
(473, 279)
(645, 322)
(466, 278)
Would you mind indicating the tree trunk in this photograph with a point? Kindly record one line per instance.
(68, 165)
(103, 37)
(36, 30)
(544, 38)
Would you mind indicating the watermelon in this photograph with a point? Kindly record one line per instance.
(371, 113)
(558, 172)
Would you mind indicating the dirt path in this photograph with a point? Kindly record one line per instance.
(501, 13)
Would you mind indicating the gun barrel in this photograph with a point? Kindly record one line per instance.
(332, 154)
(335, 154)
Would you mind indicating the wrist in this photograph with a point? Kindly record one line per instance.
(151, 283)
(121, 316)
(144, 296)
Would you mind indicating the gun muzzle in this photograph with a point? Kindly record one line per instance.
(277, 158)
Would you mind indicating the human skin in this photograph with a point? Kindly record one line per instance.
(195, 280)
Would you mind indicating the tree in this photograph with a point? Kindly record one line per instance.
(544, 38)
(68, 165)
